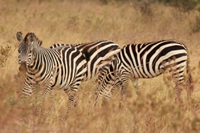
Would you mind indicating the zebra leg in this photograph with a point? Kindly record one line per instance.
(50, 82)
(27, 89)
(189, 86)
(71, 99)
(177, 73)
(95, 102)
(26, 92)
(178, 90)
(189, 89)
(136, 85)
(48, 89)
(123, 88)
(104, 94)
(98, 91)
(123, 93)
(103, 90)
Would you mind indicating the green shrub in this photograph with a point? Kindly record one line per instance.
(182, 5)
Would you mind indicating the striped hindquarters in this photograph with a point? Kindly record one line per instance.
(151, 59)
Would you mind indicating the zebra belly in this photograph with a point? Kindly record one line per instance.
(138, 74)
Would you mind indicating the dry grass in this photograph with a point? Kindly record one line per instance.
(77, 22)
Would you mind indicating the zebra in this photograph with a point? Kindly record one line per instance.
(147, 60)
(64, 67)
(98, 54)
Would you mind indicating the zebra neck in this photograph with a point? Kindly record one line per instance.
(39, 60)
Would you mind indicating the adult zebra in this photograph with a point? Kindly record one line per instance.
(147, 60)
(64, 66)
(97, 53)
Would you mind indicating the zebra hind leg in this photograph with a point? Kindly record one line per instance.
(137, 86)
(189, 86)
(106, 94)
(177, 76)
(100, 96)
(104, 91)
(123, 94)
(178, 89)
(177, 71)
(98, 92)
(96, 99)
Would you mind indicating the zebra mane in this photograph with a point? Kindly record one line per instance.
(32, 36)
(59, 45)
(56, 45)
(25, 38)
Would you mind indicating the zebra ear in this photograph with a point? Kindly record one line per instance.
(40, 43)
(32, 37)
(19, 36)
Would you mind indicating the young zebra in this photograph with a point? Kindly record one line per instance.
(64, 67)
(147, 60)
(97, 53)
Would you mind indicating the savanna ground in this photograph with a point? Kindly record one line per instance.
(80, 21)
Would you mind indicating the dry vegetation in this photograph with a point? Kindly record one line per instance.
(76, 22)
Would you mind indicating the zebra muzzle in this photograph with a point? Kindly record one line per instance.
(22, 67)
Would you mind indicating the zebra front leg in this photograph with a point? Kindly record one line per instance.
(50, 82)
(26, 92)
(27, 89)
(47, 90)
(71, 99)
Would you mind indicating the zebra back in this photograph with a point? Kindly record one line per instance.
(97, 54)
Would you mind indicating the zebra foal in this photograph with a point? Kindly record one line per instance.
(147, 60)
(64, 67)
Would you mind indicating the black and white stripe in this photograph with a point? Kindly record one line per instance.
(64, 67)
(97, 53)
(146, 60)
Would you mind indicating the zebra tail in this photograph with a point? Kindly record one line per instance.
(190, 80)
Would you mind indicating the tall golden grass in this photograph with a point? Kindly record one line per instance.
(84, 21)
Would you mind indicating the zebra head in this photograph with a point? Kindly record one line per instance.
(26, 48)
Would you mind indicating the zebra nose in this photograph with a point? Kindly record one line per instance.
(22, 66)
